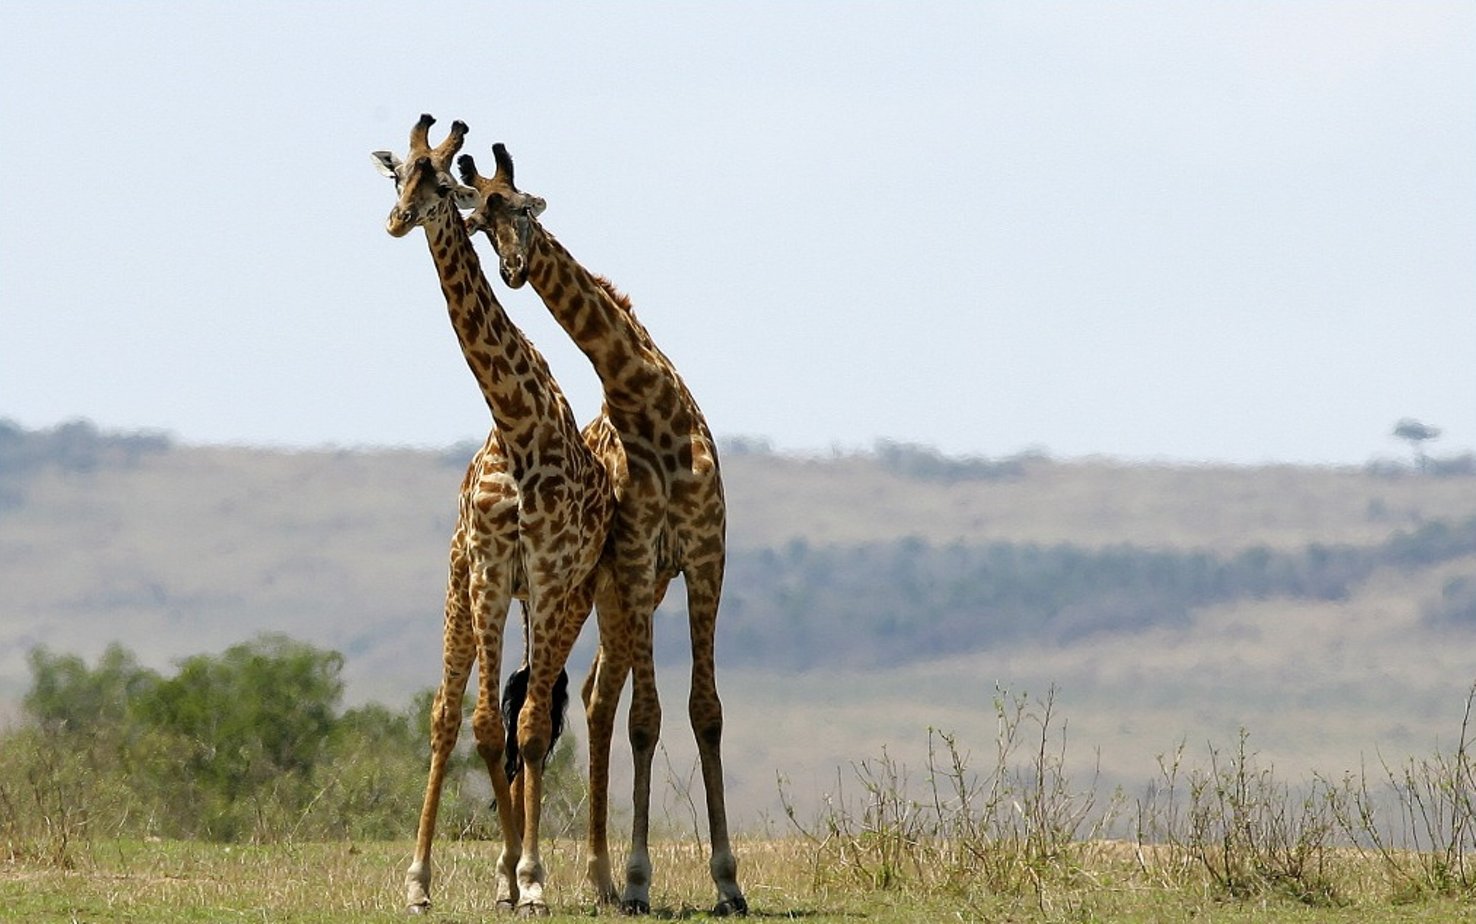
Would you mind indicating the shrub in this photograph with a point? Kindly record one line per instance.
(248, 745)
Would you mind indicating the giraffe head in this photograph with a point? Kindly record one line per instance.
(504, 212)
(423, 180)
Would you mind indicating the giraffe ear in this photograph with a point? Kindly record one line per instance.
(465, 196)
(386, 162)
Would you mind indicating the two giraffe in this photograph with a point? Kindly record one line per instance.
(663, 509)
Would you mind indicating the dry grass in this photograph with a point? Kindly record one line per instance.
(310, 883)
(337, 882)
(996, 829)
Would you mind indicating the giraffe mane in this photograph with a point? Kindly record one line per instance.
(617, 296)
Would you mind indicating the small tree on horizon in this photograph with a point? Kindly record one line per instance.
(1416, 434)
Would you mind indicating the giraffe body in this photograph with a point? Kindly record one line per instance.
(670, 518)
(535, 508)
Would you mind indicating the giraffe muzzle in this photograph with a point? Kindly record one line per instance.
(400, 222)
(514, 271)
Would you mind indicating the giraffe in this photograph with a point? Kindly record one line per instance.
(670, 518)
(535, 509)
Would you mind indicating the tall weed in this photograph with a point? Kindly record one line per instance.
(1422, 826)
(1017, 827)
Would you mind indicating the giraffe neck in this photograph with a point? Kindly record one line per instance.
(636, 375)
(514, 377)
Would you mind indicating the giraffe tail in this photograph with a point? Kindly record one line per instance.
(514, 692)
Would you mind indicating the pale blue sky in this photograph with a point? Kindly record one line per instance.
(1187, 231)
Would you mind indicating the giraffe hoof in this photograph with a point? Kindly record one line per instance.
(731, 906)
(419, 908)
(634, 906)
(533, 910)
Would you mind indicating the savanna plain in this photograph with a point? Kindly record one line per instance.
(1016, 689)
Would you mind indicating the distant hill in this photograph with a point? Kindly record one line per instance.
(884, 558)
(897, 563)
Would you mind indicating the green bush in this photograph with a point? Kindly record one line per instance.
(249, 745)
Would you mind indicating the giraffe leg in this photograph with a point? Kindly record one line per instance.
(457, 653)
(704, 586)
(645, 732)
(601, 696)
(491, 740)
(556, 628)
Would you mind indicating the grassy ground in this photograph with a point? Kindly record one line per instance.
(185, 882)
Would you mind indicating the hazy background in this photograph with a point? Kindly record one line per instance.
(1237, 232)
